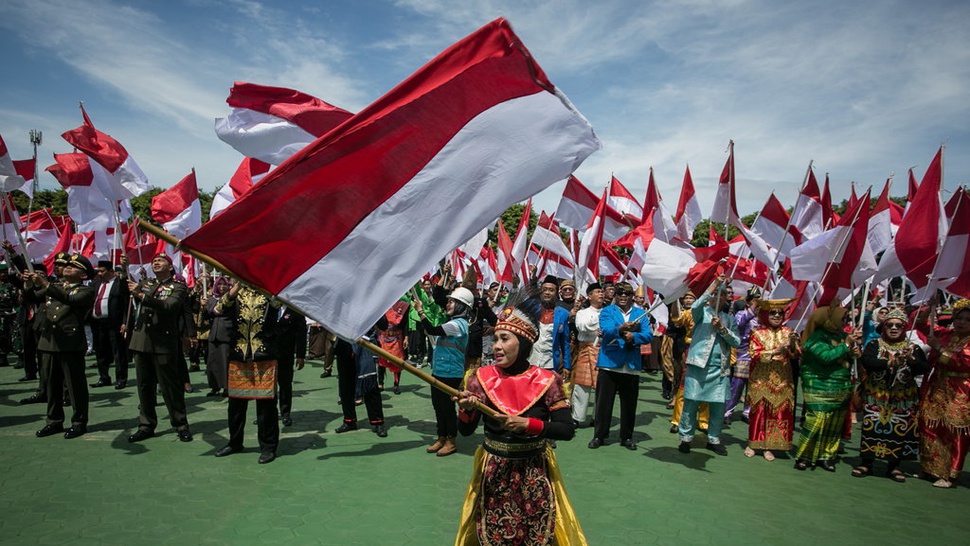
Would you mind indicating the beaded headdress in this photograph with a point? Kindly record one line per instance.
(896, 314)
(519, 323)
(960, 305)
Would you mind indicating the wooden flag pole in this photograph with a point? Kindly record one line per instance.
(410, 368)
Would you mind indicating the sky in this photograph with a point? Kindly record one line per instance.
(865, 90)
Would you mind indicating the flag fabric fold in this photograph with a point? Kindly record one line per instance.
(126, 178)
(416, 173)
(178, 208)
(273, 123)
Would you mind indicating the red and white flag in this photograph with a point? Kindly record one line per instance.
(126, 178)
(839, 258)
(63, 245)
(474, 131)
(662, 266)
(771, 224)
(807, 215)
(662, 217)
(520, 246)
(273, 123)
(725, 208)
(26, 168)
(487, 265)
(880, 222)
(688, 209)
(555, 265)
(591, 247)
(623, 201)
(546, 235)
(81, 177)
(505, 273)
(952, 272)
(10, 178)
(829, 216)
(576, 205)
(923, 229)
(247, 175)
(41, 232)
(9, 219)
(178, 208)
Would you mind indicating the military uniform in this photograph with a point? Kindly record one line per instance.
(9, 330)
(154, 343)
(61, 345)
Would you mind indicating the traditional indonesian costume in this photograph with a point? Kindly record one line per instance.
(944, 417)
(827, 388)
(890, 399)
(771, 389)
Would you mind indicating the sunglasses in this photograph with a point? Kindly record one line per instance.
(894, 326)
(622, 293)
(776, 313)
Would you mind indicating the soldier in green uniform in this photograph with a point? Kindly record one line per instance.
(154, 343)
(61, 343)
(9, 306)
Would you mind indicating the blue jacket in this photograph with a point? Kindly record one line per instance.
(615, 352)
(705, 335)
(561, 353)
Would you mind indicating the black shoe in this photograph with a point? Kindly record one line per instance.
(629, 444)
(27, 378)
(325, 374)
(141, 434)
(346, 427)
(213, 393)
(227, 450)
(801, 464)
(101, 383)
(380, 431)
(828, 466)
(75, 431)
(267, 457)
(594, 443)
(718, 449)
(666, 395)
(684, 447)
(673, 429)
(35, 399)
(120, 385)
(397, 389)
(50, 430)
(185, 435)
(287, 422)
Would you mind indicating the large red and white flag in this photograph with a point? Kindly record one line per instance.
(343, 227)
(623, 201)
(273, 123)
(662, 266)
(41, 232)
(923, 229)
(247, 175)
(178, 208)
(725, 208)
(520, 246)
(126, 178)
(576, 205)
(807, 216)
(10, 178)
(688, 209)
(26, 168)
(81, 177)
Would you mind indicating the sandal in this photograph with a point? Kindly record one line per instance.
(896, 475)
(828, 466)
(862, 471)
(748, 452)
(943, 484)
(768, 455)
(801, 464)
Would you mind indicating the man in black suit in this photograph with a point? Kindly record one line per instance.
(155, 342)
(291, 337)
(109, 313)
(62, 344)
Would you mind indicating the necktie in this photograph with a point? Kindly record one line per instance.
(97, 302)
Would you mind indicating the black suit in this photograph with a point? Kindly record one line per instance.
(61, 344)
(291, 336)
(109, 343)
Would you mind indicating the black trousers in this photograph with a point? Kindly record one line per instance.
(284, 381)
(160, 371)
(66, 368)
(267, 425)
(445, 411)
(608, 385)
(347, 388)
(109, 348)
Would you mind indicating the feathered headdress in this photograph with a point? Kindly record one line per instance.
(521, 314)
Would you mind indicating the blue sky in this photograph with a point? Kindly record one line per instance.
(865, 89)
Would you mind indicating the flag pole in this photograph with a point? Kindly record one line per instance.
(411, 368)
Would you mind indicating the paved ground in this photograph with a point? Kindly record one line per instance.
(356, 488)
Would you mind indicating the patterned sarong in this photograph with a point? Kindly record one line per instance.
(252, 380)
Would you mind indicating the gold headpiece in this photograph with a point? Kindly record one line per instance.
(516, 321)
(960, 305)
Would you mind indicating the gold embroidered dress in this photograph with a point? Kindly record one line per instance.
(944, 420)
(771, 390)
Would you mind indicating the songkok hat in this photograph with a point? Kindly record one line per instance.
(105, 264)
(593, 286)
(550, 280)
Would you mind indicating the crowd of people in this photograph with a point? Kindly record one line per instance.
(526, 363)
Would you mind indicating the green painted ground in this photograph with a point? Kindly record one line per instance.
(356, 488)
